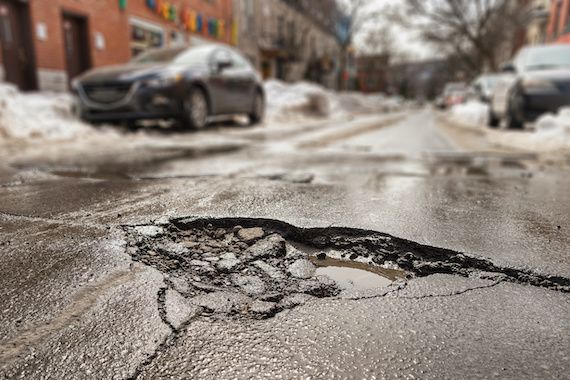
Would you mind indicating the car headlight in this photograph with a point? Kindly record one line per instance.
(533, 84)
(163, 81)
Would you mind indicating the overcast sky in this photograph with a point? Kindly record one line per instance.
(405, 39)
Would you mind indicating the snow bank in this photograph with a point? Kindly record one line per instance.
(551, 134)
(290, 102)
(471, 114)
(38, 115)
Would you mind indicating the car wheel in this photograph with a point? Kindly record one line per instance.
(515, 103)
(494, 121)
(256, 115)
(512, 121)
(195, 109)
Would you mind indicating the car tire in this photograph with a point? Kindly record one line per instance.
(494, 121)
(512, 121)
(195, 109)
(258, 111)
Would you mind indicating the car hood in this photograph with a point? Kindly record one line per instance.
(124, 73)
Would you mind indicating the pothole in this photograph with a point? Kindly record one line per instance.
(259, 267)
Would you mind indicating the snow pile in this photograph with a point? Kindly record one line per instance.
(42, 116)
(551, 134)
(471, 114)
(290, 102)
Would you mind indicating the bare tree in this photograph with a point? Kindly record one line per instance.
(477, 32)
(378, 40)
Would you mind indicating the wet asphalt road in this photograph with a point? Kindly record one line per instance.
(75, 305)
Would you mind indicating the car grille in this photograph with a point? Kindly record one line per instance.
(107, 93)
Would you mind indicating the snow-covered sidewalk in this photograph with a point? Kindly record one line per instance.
(40, 117)
(551, 133)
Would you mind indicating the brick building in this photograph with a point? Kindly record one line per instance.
(559, 21)
(45, 43)
(372, 73)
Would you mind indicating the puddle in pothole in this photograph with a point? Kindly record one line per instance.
(355, 275)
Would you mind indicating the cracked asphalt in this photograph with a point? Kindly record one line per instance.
(177, 255)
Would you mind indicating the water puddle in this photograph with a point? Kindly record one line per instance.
(355, 275)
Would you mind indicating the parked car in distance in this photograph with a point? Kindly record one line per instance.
(536, 82)
(454, 93)
(483, 86)
(189, 84)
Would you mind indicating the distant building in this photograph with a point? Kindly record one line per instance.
(536, 17)
(45, 43)
(423, 79)
(291, 40)
(559, 21)
(372, 73)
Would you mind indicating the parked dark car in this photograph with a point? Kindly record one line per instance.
(188, 84)
(537, 82)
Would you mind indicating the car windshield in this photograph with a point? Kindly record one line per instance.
(158, 55)
(548, 57)
(195, 56)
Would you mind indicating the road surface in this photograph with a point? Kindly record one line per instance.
(97, 237)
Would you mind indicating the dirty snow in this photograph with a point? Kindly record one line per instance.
(43, 116)
(49, 116)
(551, 134)
(292, 102)
(473, 114)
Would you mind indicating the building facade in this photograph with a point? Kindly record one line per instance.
(559, 21)
(536, 16)
(290, 40)
(44, 44)
(372, 73)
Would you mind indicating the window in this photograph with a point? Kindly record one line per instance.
(145, 35)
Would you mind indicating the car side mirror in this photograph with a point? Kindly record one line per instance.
(223, 65)
(508, 68)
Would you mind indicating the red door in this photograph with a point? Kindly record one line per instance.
(76, 45)
(16, 45)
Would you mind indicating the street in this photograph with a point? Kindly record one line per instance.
(161, 253)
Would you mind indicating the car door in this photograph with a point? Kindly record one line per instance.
(245, 81)
(221, 82)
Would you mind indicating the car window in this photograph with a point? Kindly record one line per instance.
(239, 61)
(196, 56)
(158, 55)
(221, 55)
